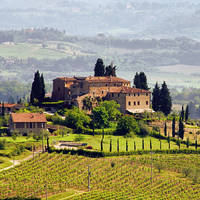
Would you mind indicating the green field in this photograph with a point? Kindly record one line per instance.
(135, 177)
(95, 142)
(28, 50)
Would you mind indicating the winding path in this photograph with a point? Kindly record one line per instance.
(17, 162)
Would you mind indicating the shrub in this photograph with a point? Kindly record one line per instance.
(159, 166)
(89, 147)
(112, 164)
(127, 124)
(186, 171)
(156, 128)
(144, 129)
(2, 144)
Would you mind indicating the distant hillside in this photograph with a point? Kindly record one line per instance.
(56, 54)
(121, 18)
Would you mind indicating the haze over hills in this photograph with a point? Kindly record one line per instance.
(121, 18)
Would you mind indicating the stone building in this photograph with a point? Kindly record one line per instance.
(75, 89)
(27, 122)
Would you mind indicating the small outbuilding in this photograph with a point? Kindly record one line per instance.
(27, 122)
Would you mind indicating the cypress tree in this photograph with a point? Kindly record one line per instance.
(142, 144)
(126, 145)
(35, 91)
(136, 80)
(188, 142)
(196, 144)
(168, 139)
(118, 145)
(135, 146)
(187, 113)
(110, 145)
(178, 143)
(150, 144)
(156, 98)
(101, 145)
(110, 70)
(174, 127)
(165, 129)
(160, 144)
(99, 69)
(42, 88)
(38, 89)
(165, 99)
(181, 129)
(143, 81)
(182, 113)
(140, 81)
(2, 110)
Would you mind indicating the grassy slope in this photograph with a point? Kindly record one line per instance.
(26, 50)
(94, 141)
(128, 178)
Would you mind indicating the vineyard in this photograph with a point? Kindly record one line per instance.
(135, 177)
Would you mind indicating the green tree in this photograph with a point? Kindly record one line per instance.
(110, 70)
(196, 144)
(182, 115)
(99, 69)
(174, 127)
(181, 129)
(165, 129)
(112, 109)
(2, 110)
(127, 124)
(143, 81)
(118, 145)
(42, 89)
(87, 103)
(110, 145)
(187, 113)
(140, 81)
(77, 119)
(15, 134)
(156, 98)
(150, 144)
(100, 117)
(126, 145)
(136, 80)
(165, 99)
(38, 89)
(135, 146)
(188, 142)
(142, 144)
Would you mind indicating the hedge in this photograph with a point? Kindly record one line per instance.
(98, 154)
(162, 137)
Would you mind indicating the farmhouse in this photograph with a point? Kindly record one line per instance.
(8, 107)
(75, 91)
(27, 122)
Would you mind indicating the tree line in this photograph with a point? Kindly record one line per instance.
(101, 70)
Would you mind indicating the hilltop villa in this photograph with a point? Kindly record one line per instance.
(74, 90)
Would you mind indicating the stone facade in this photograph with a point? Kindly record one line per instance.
(74, 90)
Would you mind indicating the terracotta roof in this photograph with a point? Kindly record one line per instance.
(28, 117)
(126, 90)
(66, 78)
(9, 105)
(106, 79)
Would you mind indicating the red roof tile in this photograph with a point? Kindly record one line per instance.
(106, 79)
(9, 105)
(126, 90)
(28, 117)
